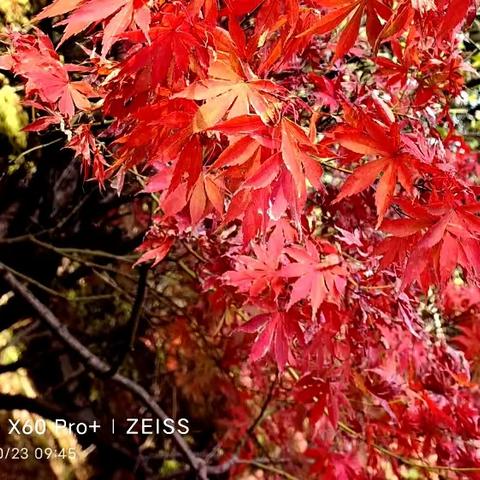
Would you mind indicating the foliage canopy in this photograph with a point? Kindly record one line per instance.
(305, 152)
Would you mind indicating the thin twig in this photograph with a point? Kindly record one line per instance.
(407, 461)
(194, 253)
(335, 167)
(51, 291)
(263, 409)
(74, 257)
(134, 320)
(46, 231)
(98, 366)
(38, 147)
(269, 468)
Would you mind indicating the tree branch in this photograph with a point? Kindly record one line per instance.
(12, 367)
(33, 405)
(134, 320)
(51, 291)
(100, 367)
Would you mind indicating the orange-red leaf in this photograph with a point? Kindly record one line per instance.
(361, 179)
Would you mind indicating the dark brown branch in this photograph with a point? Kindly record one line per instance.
(263, 409)
(98, 366)
(49, 231)
(134, 320)
(12, 367)
(33, 405)
(51, 291)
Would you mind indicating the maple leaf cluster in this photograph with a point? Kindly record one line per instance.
(304, 152)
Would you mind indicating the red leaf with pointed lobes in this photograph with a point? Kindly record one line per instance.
(117, 25)
(349, 35)
(156, 250)
(266, 173)
(320, 279)
(86, 13)
(455, 14)
(361, 179)
(228, 94)
(275, 334)
(243, 124)
(361, 143)
(89, 13)
(58, 7)
(259, 273)
(354, 10)
(34, 58)
(444, 242)
(237, 153)
(298, 156)
(42, 123)
(329, 21)
(394, 165)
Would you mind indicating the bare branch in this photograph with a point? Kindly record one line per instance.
(100, 367)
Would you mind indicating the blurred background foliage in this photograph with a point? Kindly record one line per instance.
(466, 113)
(15, 12)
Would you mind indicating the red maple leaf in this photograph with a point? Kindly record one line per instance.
(434, 239)
(34, 58)
(375, 11)
(319, 279)
(121, 14)
(392, 162)
(275, 333)
(230, 93)
(84, 145)
(255, 275)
